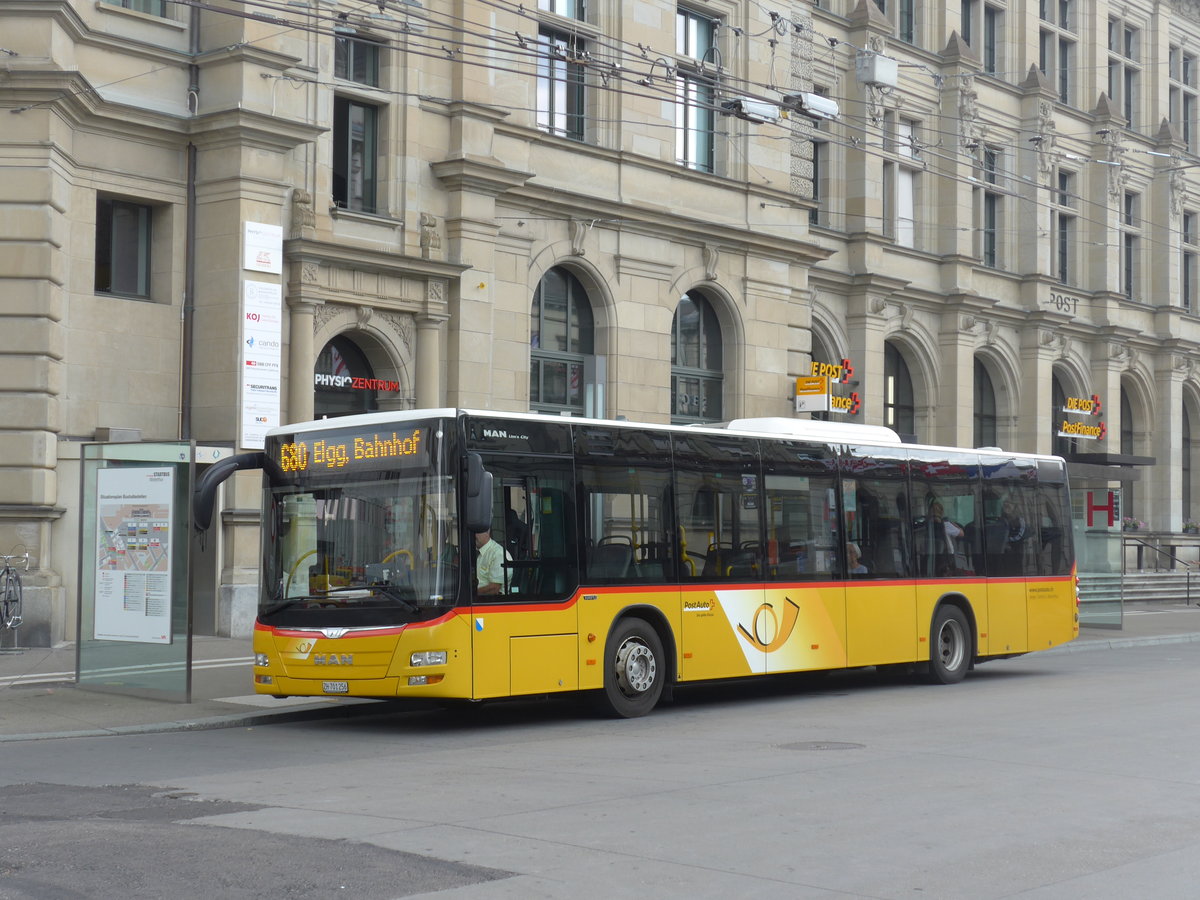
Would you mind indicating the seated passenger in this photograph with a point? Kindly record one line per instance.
(854, 563)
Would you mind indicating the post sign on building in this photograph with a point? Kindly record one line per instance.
(812, 393)
(833, 374)
(1080, 418)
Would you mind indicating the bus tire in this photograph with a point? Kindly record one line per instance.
(634, 669)
(949, 646)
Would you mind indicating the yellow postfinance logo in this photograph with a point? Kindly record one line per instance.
(766, 632)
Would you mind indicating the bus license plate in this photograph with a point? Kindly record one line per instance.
(335, 687)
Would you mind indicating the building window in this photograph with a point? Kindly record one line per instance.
(694, 96)
(1181, 107)
(560, 84)
(123, 233)
(1064, 224)
(1059, 445)
(902, 14)
(355, 154)
(561, 341)
(356, 60)
(1056, 45)
(899, 407)
(1123, 68)
(990, 208)
(150, 7)
(1130, 243)
(697, 373)
(571, 9)
(907, 183)
(993, 39)
(1187, 262)
(986, 431)
(819, 215)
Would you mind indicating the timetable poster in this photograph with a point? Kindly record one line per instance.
(134, 508)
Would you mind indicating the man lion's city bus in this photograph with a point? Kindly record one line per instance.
(638, 557)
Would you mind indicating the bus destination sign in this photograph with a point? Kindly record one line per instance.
(351, 451)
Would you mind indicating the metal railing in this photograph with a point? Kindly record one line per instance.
(1141, 546)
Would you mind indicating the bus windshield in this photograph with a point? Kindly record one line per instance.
(357, 545)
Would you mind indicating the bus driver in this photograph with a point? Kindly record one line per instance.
(489, 567)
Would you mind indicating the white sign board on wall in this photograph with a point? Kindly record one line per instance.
(262, 248)
(261, 361)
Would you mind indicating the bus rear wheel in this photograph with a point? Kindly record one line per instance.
(633, 669)
(949, 646)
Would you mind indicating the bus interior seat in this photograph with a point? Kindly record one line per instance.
(609, 560)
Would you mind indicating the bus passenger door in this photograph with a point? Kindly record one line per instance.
(525, 640)
(881, 603)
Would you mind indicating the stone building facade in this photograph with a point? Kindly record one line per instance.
(607, 207)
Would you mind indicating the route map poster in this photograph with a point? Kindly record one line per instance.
(133, 554)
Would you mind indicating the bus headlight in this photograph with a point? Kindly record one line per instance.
(260, 659)
(428, 658)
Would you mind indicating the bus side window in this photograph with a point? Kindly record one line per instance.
(801, 514)
(623, 486)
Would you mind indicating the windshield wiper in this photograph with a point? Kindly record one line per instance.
(390, 591)
(355, 592)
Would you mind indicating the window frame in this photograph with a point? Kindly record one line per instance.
(581, 342)
(695, 90)
(710, 378)
(345, 61)
(1058, 44)
(343, 141)
(561, 83)
(107, 207)
(1124, 68)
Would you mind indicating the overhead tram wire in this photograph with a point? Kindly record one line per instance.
(647, 83)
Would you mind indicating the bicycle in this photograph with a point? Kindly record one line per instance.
(10, 591)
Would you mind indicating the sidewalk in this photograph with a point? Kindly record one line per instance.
(38, 699)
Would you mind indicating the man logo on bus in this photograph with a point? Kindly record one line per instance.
(766, 633)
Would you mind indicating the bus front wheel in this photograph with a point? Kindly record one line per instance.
(634, 670)
(949, 646)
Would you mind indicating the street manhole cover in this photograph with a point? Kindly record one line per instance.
(822, 745)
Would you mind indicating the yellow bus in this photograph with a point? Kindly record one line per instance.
(629, 558)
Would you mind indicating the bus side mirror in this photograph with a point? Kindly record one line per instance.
(479, 495)
(204, 494)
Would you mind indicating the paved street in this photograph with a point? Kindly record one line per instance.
(1055, 776)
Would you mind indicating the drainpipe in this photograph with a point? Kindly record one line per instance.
(189, 249)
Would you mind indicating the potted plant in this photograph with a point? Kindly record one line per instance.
(1191, 527)
(1129, 523)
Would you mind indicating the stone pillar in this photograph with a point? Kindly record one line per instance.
(1164, 511)
(1040, 347)
(428, 373)
(954, 419)
(301, 357)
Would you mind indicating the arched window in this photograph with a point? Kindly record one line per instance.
(1186, 466)
(1061, 446)
(1128, 490)
(340, 371)
(820, 354)
(561, 340)
(899, 408)
(985, 408)
(697, 377)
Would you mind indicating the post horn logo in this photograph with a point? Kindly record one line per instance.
(769, 636)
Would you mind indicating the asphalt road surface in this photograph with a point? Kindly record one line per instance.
(1048, 776)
